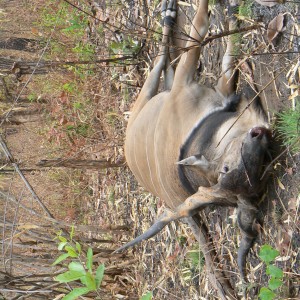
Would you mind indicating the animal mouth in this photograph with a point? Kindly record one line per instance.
(259, 132)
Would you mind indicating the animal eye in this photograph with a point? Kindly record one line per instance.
(225, 169)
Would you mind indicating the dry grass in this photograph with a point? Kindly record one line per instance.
(112, 197)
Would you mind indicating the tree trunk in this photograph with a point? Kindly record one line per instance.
(20, 115)
(78, 163)
(19, 68)
(7, 93)
(21, 44)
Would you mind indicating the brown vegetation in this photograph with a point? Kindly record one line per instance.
(78, 112)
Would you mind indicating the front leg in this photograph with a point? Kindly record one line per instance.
(188, 63)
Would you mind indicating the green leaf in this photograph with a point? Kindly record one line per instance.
(76, 293)
(60, 258)
(58, 234)
(115, 47)
(266, 294)
(83, 280)
(147, 296)
(267, 253)
(62, 239)
(89, 259)
(274, 283)
(77, 267)
(61, 245)
(71, 251)
(32, 97)
(274, 271)
(90, 281)
(99, 275)
(78, 247)
(68, 276)
(71, 28)
(77, 105)
(72, 232)
(75, 25)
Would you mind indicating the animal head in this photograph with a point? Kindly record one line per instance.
(238, 166)
(243, 161)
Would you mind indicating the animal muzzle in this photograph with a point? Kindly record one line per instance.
(244, 178)
(258, 133)
(255, 154)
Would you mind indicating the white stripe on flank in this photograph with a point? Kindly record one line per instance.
(137, 165)
(158, 166)
(149, 167)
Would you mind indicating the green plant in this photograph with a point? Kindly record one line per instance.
(147, 296)
(50, 18)
(112, 117)
(288, 126)
(194, 262)
(195, 258)
(181, 240)
(79, 272)
(245, 9)
(268, 254)
(77, 24)
(127, 46)
(157, 34)
(77, 105)
(32, 97)
(85, 51)
(236, 41)
(69, 87)
(69, 39)
(78, 130)
(111, 195)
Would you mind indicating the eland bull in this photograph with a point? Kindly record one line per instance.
(194, 146)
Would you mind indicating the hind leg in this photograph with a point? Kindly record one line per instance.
(179, 35)
(169, 15)
(187, 66)
(226, 84)
(150, 87)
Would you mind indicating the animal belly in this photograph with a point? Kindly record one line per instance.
(156, 134)
(139, 147)
(151, 155)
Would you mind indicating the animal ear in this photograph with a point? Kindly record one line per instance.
(197, 161)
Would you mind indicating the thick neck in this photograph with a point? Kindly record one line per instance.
(202, 140)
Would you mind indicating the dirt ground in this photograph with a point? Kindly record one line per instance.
(165, 264)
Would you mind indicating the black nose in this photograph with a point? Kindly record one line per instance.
(259, 132)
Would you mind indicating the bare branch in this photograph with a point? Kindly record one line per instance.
(27, 184)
